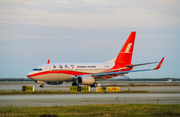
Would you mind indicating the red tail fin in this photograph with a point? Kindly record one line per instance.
(126, 52)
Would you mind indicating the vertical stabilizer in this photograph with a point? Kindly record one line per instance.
(126, 52)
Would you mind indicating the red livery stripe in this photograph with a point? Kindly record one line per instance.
(58, 71)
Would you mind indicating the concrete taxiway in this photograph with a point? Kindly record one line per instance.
(86, 99)
(157, 95)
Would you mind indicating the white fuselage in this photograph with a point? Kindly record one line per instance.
(66, 71)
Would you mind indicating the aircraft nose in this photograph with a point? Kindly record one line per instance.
(30, 74)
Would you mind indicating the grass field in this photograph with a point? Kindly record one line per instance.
(148, 110)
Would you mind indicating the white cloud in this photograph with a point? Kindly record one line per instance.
(103, 2)
(108, 17)
(165, 2)
(31, 2)
(121, 18)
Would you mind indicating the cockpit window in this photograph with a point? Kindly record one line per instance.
(37, 69)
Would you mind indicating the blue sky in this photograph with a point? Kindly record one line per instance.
(31, 32)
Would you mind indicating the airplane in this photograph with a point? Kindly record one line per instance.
(89, 73)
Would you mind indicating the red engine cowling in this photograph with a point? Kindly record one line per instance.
(85, 80)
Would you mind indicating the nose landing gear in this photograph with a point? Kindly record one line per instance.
(41, 85)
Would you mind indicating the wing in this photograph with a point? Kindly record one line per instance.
(112, 74)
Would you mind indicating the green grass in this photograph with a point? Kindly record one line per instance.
(62, 92)
(111, 110)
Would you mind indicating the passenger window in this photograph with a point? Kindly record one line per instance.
(60, 66)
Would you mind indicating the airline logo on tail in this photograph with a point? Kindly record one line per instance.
(128, 48)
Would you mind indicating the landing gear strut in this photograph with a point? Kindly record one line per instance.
(41, 83)
(75, 84)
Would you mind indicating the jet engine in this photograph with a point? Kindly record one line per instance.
(54, 83)
(85, 80)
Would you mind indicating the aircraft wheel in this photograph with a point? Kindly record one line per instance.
(41, 85)
(94, 85)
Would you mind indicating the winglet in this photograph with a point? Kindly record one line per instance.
(48, 61)
(159, 65)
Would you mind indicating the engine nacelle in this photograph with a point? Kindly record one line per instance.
(85, 80)
(54, 83)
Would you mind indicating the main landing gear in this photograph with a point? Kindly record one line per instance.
(94, 85)
(75, 84)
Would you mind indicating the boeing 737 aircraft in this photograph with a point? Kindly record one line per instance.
(89, 73)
